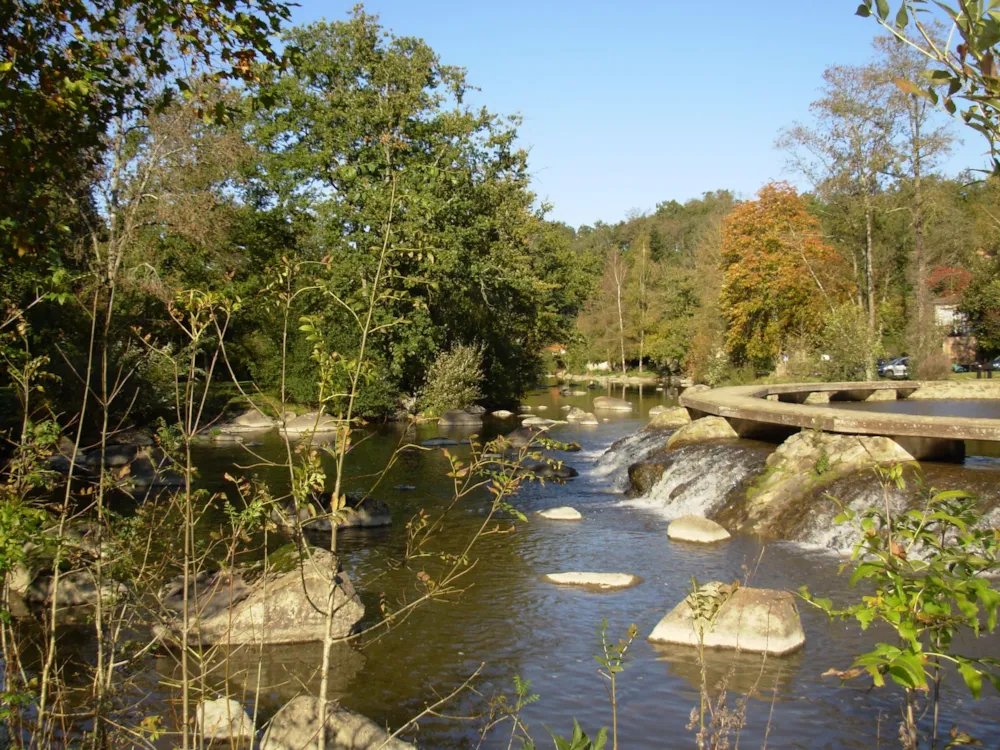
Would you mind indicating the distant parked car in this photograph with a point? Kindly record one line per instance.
(898, 368)
(959, 367)
(881, 366)
(995, 364)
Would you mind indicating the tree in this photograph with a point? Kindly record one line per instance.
(70, 68)
(921, 145)
(779, 275)
(981, 303)
(850, 151)
(362, 120)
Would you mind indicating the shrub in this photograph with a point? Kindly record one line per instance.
(454, 379)
(846, 342)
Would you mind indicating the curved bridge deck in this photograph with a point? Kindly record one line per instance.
(776, 411)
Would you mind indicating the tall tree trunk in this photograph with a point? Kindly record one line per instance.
(621, 317)
(919, 253)
(870, 274)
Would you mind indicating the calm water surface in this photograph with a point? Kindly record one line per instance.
(516, 624)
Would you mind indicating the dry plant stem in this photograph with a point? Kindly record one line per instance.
(341, 452)
(50, 655)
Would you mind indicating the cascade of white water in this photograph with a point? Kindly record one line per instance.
(699, 479)
(614, 462)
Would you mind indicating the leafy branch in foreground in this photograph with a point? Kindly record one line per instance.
(967, 72)
(929, 571)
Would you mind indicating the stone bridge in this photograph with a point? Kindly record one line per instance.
(773, 412)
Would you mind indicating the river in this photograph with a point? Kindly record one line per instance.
(518, 625)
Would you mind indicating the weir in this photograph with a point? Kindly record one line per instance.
(773, 412)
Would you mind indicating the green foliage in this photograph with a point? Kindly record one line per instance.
(981, 303)
(966, 73)
(579, 739)
(454, 380)
(928, 571)
(846, 341)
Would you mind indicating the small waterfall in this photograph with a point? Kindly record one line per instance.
(813, 527)
(699, 479)
(614, 462)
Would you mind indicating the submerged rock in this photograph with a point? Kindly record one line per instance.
(314, 515)
(75, 588)
(502, 414)
(545, 469)
(439, 442)
(460, 418)
(748, 619)
(696, 529)
(575, 413)
(668, 417)
(222, 720)
(277, 607)
(562, 513)
(700, 431)
(610, 403)
(601, 581)
(588, 419)
(296, 727)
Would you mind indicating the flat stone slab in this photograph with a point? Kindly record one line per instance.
(562, 513)
(748, 619)
(599, 581)
(306, 424)
(696, 529)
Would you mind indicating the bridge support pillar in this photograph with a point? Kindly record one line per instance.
(933, 449)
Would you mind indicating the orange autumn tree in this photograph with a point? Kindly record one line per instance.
(779, 277)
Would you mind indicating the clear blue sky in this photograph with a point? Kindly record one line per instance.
(631, 103)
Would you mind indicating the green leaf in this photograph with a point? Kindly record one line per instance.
(972, 676)
(863, 10)
(902, 19)
(882, 8)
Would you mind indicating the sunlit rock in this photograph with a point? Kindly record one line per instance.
(502, 414)
(695, 389)
(598, 581)
(309, 424)
(700, 431)
(668, 417)
(562, 513)
(223, 719)
(696, 529)
(277, 607)
(748, 619)
(809, 459)
(297, 727)
(610, 403)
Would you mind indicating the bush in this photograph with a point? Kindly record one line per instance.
(454, 380)
(935, 366)
(846, 341)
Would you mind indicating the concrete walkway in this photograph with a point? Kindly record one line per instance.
(776, 411)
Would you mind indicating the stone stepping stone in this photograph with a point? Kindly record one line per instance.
(562, 513)
(749, 619)
(696, 529)
(598, 581)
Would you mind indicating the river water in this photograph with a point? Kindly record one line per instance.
(518, 625)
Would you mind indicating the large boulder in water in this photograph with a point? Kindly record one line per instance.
(276, 607)
(575, 414)
(460, 418)
(309, 424)
(748, 619)
(562, 513)
(668, 418)
(297, 726)
(610, 403)
(644, 475)
(249, 421)
(810, 459)
(700, 388)
(700, 431)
